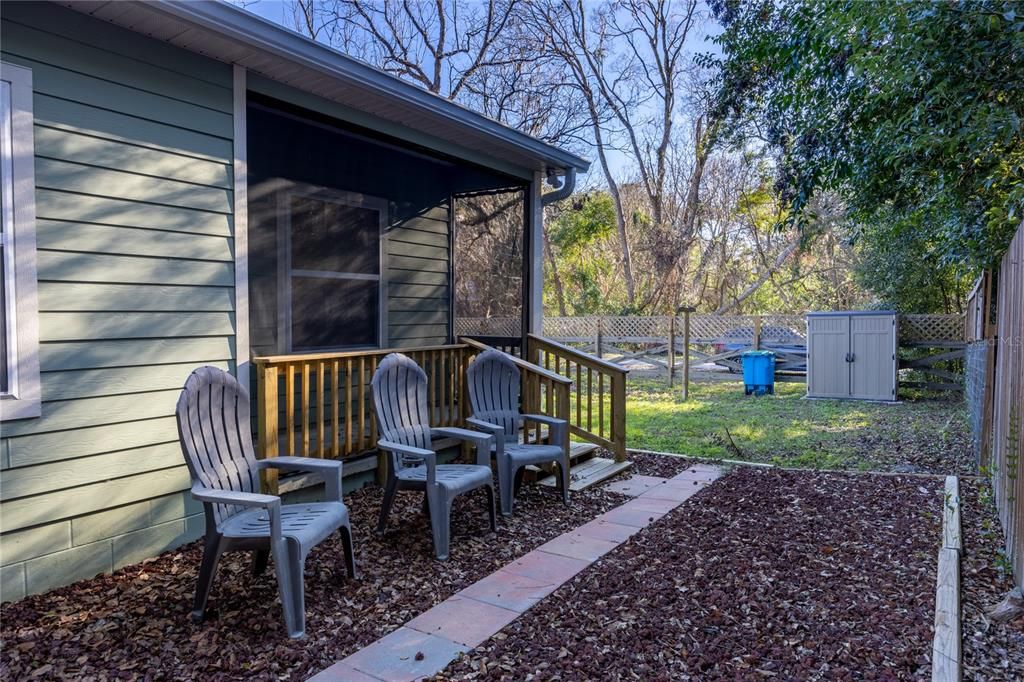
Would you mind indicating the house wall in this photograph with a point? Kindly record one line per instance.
(133, 144)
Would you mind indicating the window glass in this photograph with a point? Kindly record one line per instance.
(331, 236)
(329, 312)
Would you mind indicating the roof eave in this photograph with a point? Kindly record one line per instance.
(261, 34)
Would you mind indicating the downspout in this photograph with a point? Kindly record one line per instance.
(561, 191)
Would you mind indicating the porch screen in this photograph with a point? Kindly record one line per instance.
(489, 230)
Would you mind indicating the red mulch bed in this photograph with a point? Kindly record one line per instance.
(991, 651)
(665, 466)
(135, 624)
(766, 573)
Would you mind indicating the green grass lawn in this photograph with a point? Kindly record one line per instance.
(929, 434)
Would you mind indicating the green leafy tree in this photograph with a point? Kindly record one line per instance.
(911, 111)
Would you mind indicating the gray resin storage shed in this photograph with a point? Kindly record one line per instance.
(852, 354)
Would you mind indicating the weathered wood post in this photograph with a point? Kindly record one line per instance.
(671, 350)
(757, 332)
(686, 352)
(600, 337)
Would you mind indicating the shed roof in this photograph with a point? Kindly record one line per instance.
(230, 34)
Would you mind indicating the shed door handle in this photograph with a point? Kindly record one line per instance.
(849, 357)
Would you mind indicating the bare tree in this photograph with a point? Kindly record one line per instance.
(440, 45)
(626, 59)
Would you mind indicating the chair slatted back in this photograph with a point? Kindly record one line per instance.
(494, 390)
(214, 431)
(400, 402)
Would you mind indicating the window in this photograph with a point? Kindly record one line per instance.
(330, 284)
(19, 331)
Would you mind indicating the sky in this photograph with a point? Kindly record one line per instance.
(280, 11)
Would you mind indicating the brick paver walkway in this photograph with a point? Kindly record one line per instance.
(430, 641)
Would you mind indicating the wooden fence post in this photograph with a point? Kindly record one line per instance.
(671, 350)
(757, 332)
(600, 337)
(686, 352)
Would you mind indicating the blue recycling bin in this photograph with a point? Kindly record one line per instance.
(758, 372)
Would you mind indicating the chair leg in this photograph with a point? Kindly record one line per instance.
(440, 523)
(259, 561)
(286, 565)
(208, 569)
(385, 508)
(350, 553)
(490, 507)
(565, 470)
(506, 485)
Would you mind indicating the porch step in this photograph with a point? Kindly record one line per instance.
(588, 472)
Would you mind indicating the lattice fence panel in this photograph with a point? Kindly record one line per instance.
(636, 329)
(488, 326)
(920, 329)
(718, 328)
(787, 329)
(571, 329)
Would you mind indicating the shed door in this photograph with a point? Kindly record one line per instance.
(828, 342)
(873, 370)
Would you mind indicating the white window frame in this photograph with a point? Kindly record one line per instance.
(285, 272)
(17, 154)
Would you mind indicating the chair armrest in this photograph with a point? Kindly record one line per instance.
(239, 499)
(429, 457)
(329, 469)
(559, 428)
(272, 503)
(482, 441)
(494, 429)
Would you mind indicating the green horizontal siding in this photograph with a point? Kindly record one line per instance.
(136, 289)
(418, 267)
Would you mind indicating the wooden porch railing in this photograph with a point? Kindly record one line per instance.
(597, 405)
(320, 405)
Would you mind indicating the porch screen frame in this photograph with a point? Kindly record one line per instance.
(285, 271)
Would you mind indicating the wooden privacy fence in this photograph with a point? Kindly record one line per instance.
(320, 405)
(996, 319)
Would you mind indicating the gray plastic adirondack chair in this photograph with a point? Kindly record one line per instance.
(494, 395)
(400, 403)
(213, 427)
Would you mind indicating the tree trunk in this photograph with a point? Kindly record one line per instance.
(556, 278)
(753, 287)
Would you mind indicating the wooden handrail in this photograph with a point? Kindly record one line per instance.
(333, 355)
(522, 364)
(598, 389)
(584, 358)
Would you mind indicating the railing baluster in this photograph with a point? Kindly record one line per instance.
(349, 412)
(335, 397)
(305, 409)
(590, 400)
(362, 402)
(289, 406)
(321, 441)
